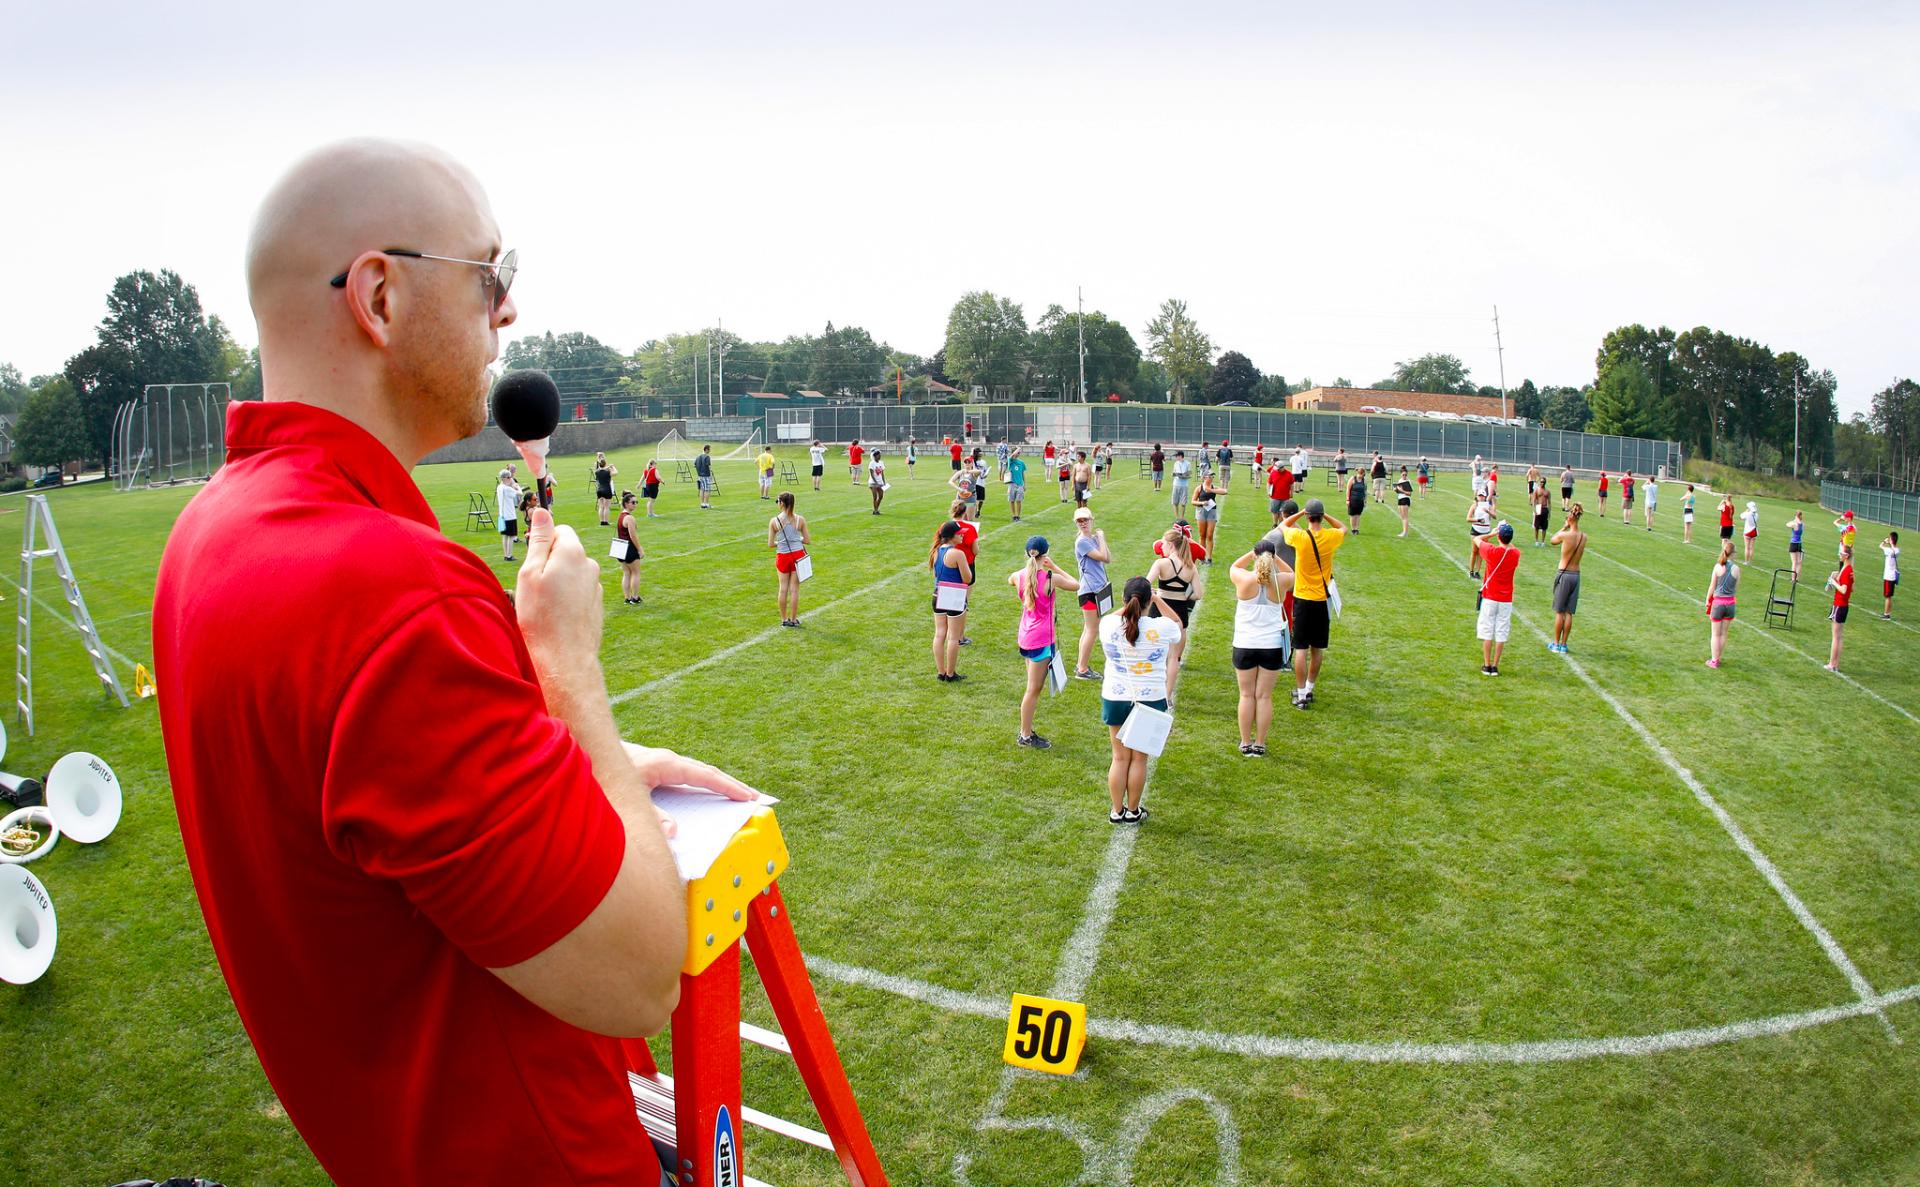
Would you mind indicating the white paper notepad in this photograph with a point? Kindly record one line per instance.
(707, 821)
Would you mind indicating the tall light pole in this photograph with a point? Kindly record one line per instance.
(1500, 351)
(1080, 328)
(1796, 426)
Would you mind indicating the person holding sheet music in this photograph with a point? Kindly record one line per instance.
(877, 480)
(1174, 575)
(1261, 646)
(603, 476)
(506, 498)
(1035, 583)
(1314, 592)
(1142, 643)
(787, 535)
(628, 552)
(1090, 551)
(650, 485)
(952, 574)
(963, 483)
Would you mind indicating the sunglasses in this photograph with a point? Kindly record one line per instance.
(495, 274)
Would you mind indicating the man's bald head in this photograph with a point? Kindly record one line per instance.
(401, 347)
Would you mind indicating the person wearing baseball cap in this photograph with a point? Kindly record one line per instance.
(1845, 524)
(1313, 547)
(1035, 582)
(1091, 553)
(1499, 560)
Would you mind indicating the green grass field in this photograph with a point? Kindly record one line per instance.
(1452, 931)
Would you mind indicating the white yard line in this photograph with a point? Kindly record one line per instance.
(1837, 955)
(1284, 1047)
(727, 653)
(73, 624)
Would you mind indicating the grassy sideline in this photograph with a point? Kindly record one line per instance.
(1428, 856)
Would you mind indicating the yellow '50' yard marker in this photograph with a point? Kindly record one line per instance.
(1045, 1035)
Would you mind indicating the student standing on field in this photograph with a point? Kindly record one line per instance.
(603, 476)
(703, 475)
(1357, 499)
(1652, 499)
(1226, 464)
(1082, 480)
(1722, 588)
(1157, 460)
(1500, 560)
(1403, 500)
(1566, 580)
(962, 481)
(1066, 473)
(1841, 584)
(856, 460)
(1035, 584)
(1479, 527)
(1314, 546)
(1686, 516)
(1142, 644)
(506, 497)
(764, 464)
(913, 455)
(1542, 507)
(1261, 646)
(1379, 476)
(1603, 494)
(1176, 576)
(1206, 514)
(817, 459)
(1091, 554)
(1890, 577)
(952, 575)
(1626, 498)
(1796, 542)
(1425, 475)
(1750, 525)
(1726, 517)
(789, 538)
(1279, 491)
(1016, 482)
(1181, 469)
(877, 480)
(1847, 531)
(1566, 487)
(1340, 467)
(650, 485)
(629, 539)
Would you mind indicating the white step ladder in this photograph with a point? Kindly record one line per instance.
(40, 520)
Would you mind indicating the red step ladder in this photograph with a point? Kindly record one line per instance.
(695, 1116)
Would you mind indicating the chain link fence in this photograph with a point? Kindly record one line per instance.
(1141, 425)
(1897, 508)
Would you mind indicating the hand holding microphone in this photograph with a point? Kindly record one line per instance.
(526, 406)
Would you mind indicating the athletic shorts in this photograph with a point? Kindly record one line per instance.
(1887, 587)
(784, 562)
(818, 470)
(1496, 620)
(1115, 713)
(947, 613)
(1080, 492)
(1626, 500)
(1179, 491)
(1207, 513)
(1566, 494)
(1037, 655)
(1404, 500)
(1566, 591)
(510, 528)
(1016, 491)
(1726, 533)
(1753, 535)
(1540, 520)
(1719, 611)
(706, 484)
(1312, 623)
(1422, 480)
(1090, 598)
(1795, 546)
(956, 462)
(1180, 606)
(1356, 511)
(650, 491)
(1840, 614)
(1268, 659)
(1274, 505)
(1686, 517)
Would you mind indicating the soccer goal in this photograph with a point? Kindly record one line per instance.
(673, 448)
(749, 449)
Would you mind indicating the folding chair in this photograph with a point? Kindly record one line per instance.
(788, 475)
(1781, 607)
(682, 472)
(479, 513)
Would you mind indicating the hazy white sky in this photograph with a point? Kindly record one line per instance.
(1330, 188)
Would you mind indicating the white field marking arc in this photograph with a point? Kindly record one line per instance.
(1070, 979)
(1768, 635)
(1764, 632)
(50, 608)
(1327, 1050)
(1828, 944)
(729, 652)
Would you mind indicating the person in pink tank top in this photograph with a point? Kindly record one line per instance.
(1036, 583)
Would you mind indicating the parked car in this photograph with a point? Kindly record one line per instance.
(1235, 404)
(50, 478)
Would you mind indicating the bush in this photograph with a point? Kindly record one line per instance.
(15, 483)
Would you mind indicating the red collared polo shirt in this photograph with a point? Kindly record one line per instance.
(377, 808)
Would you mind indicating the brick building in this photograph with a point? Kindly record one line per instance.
(1353, 399)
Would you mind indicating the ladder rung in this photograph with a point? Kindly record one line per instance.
(653, 1101)
(772, 1040)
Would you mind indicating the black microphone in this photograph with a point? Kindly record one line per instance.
(526, 406)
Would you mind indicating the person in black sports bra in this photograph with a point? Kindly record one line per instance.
(1173, 575)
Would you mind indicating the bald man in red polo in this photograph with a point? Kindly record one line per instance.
(429, 866)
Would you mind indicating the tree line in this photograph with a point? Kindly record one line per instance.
(1723, 397)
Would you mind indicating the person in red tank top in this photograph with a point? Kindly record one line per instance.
(1841, 583)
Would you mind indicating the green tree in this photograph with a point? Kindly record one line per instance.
(846, 360)
(1430, 373)
(1176, 342)
(1271, 392)
(1564, 408)
(582, 366)
(1896, 418)
(1622, 401)
(1527, 401)
(1112, 356)
(1151, 383)
(1233, 378)
(13, 388)
(1858, 449)
(154, 332)
(986, 341)
(50, 430)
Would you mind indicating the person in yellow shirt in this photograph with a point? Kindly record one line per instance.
(1313, 544)
(765, 464)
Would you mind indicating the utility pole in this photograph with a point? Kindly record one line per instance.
(1501, 352)
(1796, 426)
(720, 391)
(1080, 328)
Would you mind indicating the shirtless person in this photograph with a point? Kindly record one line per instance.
(1082, 480)
(1566, 582)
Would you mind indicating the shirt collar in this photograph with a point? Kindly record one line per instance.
(255, 426)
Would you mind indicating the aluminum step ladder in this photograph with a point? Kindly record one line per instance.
(40, 522)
